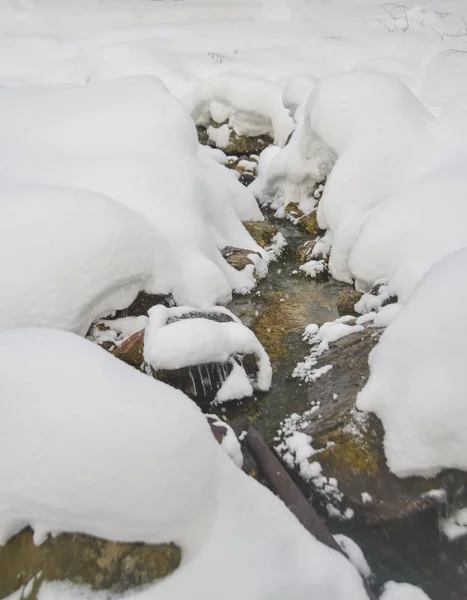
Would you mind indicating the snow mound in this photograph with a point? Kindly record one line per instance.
(418, 378)
(73, 256)
(402, 591)
(419, 225)
(197, 341)
(108, 451)
(251, 106)
(132, 141)
(367, 133)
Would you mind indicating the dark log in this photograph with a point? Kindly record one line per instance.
(284, 487)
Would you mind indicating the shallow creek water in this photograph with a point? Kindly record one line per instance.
(278, 310)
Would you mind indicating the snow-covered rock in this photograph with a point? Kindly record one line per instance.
(108, 451)
(132, 141)
(73, 256)
(418, 378)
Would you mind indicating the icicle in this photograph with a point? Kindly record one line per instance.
(193, 381)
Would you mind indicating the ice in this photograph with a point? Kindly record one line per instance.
(418, 379)
(92, 461)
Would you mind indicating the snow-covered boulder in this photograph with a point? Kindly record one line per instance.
(130, 140)
(108, 451)
(73, 256)
(202, 353)
(367, 133)
(418, 377)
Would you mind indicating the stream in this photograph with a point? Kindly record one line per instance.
(278, 310)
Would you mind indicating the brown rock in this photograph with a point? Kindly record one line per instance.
(238, 257)
(308, 221)
(261, 231)
(347, 300)
(84, 560)
(352, 443)
(305, 250)
(131, 350)
(239, 145)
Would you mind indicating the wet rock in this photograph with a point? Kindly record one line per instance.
(142, 304)
(238, 258)
(238, 145)
(261, 231)
(84, 560)
(347, 300)
(131, 350)
(305, 250)
(309, 221)
(352, 442)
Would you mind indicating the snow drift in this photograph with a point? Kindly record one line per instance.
(73, 256)
(418, 377)
(111, 452)
(132, 141)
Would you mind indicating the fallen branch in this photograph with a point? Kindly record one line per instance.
(285, 488)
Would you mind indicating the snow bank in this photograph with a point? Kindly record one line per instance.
(189, 342)
(418, 377)
(132, 141)
(252, 106)
(367, 133)
(73, 256)
(402, 591)
(108, 451)
(419, 225)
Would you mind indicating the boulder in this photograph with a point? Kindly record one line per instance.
(82, 559)
(347, 300)
(309, 221)
(350, 443)
(262, 232)
(200, 382)
(238, 258)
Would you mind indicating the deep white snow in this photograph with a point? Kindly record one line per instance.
(108, 451)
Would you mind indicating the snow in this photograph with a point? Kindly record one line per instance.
(236, 386)
(51, 235)
(320, 338)
(189, 342)
(229, 442)
(123, 475)
(402, 591)
(133, 152)
(455, 526)
(251, 106)
(417, 380)
(354, 553)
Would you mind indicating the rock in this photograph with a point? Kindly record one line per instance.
(347, 300)
(308, 221)
(201, 382)
(304, 251)
(85, 560)
(238, 258)
(239, 145)
(352, 442)
(261, 231)
(142, 304)
(131, 350)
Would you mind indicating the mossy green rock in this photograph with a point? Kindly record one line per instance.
(352, 444)
(82, 559)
